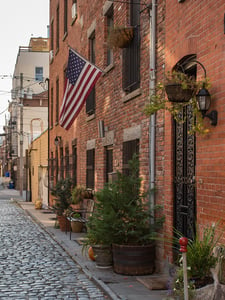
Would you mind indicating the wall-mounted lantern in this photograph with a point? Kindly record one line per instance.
(57, 140)
(204, 100)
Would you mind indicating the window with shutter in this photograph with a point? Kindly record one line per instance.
(67, 162)
(129, 149)
(90, 102)
(74, 164)
(131, 54)
(90, 179)
(65, 16)
(108, 162)
(61, 163)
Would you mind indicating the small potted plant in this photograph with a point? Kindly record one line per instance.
(203, 254)
(79, 193)
(76, 222)
(62, 201)
(120, 36)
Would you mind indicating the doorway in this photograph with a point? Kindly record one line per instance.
(184, 162)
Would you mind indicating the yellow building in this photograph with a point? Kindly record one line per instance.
(38, 169)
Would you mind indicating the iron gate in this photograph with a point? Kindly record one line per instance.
(184, 175)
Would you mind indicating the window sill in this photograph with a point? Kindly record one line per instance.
(65, 35)
(91, 117)
(131, 95)
(74, 20)
(108, 68)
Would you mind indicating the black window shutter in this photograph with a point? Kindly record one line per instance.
(131, 55)
(90, 179)
(129, 149)
(90, 102)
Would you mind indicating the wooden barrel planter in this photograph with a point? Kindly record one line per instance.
(103, 255)
(133, 260)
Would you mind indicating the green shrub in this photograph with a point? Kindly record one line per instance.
(200, 256)
(122, 215)
(62, 193)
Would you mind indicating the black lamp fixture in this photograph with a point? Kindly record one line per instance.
(57, 140)
(204, 100)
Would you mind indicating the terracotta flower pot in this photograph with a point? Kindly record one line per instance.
(64, 224)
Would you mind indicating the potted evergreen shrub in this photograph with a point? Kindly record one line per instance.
(99, 227)
(62, 201)
(123, 219)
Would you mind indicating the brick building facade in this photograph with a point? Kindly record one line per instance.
(116, 126)
(189, 170)
(194, 37)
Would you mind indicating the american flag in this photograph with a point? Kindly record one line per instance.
(81, 77)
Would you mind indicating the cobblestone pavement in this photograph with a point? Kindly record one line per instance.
(33, 266)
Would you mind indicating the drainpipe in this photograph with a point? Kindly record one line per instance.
(152, 85)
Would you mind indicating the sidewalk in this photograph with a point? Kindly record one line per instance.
(116, 286)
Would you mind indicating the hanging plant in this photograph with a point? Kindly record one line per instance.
(177, 91)
(180, 87)
(120, 36)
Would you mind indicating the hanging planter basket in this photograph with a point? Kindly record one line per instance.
(120, 37)
(176, 93)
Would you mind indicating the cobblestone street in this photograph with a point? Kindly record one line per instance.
(33, 266)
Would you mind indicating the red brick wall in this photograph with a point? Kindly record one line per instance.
(117, 115)
(197, 27)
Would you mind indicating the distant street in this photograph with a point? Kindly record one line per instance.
(32, 265)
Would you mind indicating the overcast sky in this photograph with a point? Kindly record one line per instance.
(19, 21)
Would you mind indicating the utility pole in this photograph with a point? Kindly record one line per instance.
(21, 135)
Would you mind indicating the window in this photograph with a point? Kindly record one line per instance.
(39, 73)
(67, 162)
(90, 102)
(131, 54)
(74, 9)
(57, 102)
(109, 162)
(56, 167)
(90, 179)
(51, 108)
(110, 24)
(57, 28)
(61, 163)
(129, 149)
(74, 164)
(52, 35)
(51, 167)
(65, 16)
